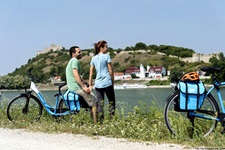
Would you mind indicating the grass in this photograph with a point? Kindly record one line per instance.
(142, 123)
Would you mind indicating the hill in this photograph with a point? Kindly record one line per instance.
(53, 63)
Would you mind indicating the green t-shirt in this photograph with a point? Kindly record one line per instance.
(70, 79)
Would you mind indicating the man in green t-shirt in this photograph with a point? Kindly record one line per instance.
(76, 83)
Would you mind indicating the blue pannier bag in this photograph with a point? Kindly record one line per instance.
(72, 100)
(191, 95)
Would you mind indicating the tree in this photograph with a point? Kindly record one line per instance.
(219, 61)
(140, 46)
(14, 82)
(152, 47)
(53, 71)
(129, 48)
(175, 74)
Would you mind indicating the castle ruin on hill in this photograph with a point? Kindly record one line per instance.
(51, 47)
(197, 57)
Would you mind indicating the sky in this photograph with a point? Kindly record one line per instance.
(28, 26)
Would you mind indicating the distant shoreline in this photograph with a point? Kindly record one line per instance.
(50, 87)
(159, 86)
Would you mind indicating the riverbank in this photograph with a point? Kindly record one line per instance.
(50, 86)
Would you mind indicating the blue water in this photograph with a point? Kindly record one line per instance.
(128, 97)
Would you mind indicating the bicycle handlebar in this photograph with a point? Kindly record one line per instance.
(32, 78)
(213, 71)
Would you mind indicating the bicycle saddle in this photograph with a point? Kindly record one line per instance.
(210, 69)
(60, 84)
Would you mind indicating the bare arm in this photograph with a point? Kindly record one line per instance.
(79, 81)
(111, 72)
(90, 76)
(84, 81)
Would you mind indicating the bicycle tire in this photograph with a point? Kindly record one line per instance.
(179, 122)
(62, 106)
(17, 111)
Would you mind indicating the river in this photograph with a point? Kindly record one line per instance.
(127, 97)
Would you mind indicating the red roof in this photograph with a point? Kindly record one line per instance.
(155, 69)
(118, 73)
(132, 69)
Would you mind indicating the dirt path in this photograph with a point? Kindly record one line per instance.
(11, 139)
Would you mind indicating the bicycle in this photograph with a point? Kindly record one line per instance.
(200, 122)
(28, 107)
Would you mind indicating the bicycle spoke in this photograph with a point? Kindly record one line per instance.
(19, 111)
(183, 125)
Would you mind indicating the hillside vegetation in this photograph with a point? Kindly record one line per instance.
(52, 64)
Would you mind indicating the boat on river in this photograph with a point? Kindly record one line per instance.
(130, 86)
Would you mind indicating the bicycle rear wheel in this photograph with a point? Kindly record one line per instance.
(62, 109)
(62, 106)
(183, 125)
(23, 109)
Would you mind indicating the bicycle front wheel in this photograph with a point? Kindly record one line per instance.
(23, 109)
(183, 125)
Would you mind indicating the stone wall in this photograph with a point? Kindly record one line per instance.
(197, 57)
(51, 47)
